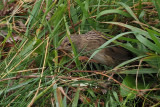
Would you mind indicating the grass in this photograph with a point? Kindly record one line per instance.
(34, 73)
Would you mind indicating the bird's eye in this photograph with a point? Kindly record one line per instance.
(69, 44)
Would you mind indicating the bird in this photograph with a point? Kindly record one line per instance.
(92, 40)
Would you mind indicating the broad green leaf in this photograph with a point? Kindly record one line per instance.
(129, 81)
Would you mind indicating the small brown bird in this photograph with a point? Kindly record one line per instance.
(92, 40)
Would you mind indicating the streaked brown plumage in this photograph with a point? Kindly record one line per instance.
(92, 40)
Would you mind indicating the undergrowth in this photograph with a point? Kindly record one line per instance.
(34, 73)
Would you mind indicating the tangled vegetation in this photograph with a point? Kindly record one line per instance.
(34, 73)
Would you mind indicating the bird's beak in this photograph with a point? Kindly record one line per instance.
(59, 48)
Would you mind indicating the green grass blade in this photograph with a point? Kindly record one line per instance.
(157, 5)
(78, 64)
(108, 42)
(135, 29)
(129, 10)
(113, 11)
(85, 7)
(73, 14)
(153, 36)
(148, 43)
(129, 61)
(132, 49)
(140, 71)
(33, 15)
(76, 98)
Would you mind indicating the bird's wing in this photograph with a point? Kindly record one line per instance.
(118, 53)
